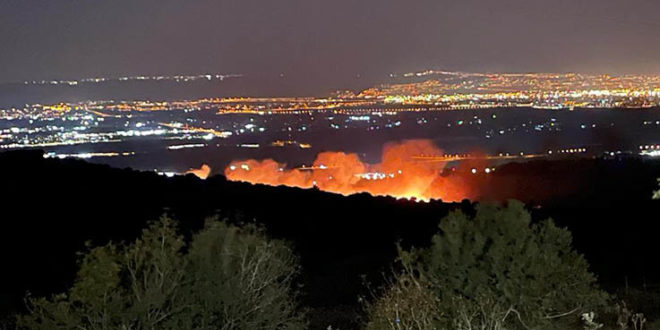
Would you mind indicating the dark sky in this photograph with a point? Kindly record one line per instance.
(324, 41)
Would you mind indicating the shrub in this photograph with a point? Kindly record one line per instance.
(408, 303)
(230, 278)
(497, 270)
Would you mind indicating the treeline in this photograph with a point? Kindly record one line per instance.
(490, 269)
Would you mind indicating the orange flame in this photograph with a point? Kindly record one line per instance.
(202, 172)
(399, 174)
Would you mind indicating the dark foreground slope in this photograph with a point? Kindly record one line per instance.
(50, 208)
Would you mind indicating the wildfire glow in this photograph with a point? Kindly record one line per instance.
(400, 173)
(202, 172)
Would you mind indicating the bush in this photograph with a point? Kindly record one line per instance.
(230, 278)
(408, 303)
(496, 270)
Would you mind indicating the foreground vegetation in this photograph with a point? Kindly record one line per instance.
(491, 270)
(497, 270)
(226, 278)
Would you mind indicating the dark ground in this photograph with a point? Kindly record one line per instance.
(50, 208)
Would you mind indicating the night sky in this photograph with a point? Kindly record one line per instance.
(324, 42)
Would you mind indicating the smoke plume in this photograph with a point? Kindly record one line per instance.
(202, 172)
(403, 172)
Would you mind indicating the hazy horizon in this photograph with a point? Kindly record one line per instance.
(324, 43)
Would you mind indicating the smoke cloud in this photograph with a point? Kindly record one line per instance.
(403, 172)
(202, 172)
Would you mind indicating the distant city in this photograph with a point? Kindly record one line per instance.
(555, 113)
(439, 90)
(175, 78)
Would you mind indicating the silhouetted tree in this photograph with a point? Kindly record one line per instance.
(496, 270)
(230, 278)
(240, 280)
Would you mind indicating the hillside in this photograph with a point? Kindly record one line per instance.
(51, 207)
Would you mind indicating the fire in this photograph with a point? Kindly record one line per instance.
(400, 173)
(202, 172)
